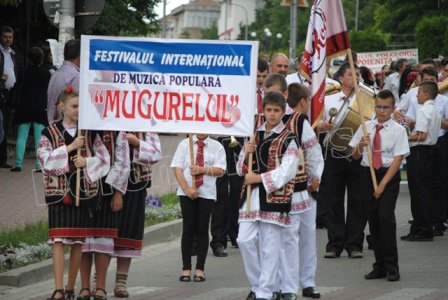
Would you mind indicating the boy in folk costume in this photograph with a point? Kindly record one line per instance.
(105, 215)
(262, 219)
(57, 153)
(145, 150)
(389, 147)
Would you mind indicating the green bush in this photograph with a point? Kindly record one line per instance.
(431, 36)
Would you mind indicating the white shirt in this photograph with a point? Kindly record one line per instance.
(428, 120)
(296, 78)
(214, 156)
(394, 141)
(9, 67)
(392, 83)
(441, 104)
(336, 101)
(271, 180)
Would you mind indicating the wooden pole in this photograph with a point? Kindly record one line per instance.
(78, 174)
(361, 115)
(249, 186)
(190, 140)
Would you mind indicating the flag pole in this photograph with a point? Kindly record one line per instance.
(249, 186)
(190, 142)
(361, 115)
(78, 174)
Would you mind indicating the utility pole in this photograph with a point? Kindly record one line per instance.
(66, 21)
(164, 19)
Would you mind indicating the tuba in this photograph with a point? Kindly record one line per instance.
(332, 88)
(443, 86)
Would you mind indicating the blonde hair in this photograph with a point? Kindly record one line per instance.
(67, 93)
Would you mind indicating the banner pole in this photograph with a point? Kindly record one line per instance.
(249, 186)
(361, 115)
(78, 174)
(190, 142)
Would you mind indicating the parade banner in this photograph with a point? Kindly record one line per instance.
(376, 60)
(327, 36)
(170, 86)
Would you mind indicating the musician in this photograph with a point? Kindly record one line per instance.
(439, 156)
(422, 139)
(390, 145)
(341, 172)
(392, 82)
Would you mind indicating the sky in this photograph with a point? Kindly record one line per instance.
(170, 5)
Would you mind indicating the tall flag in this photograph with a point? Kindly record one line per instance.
(327, 36)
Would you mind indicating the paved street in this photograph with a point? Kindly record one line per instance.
(423, 265)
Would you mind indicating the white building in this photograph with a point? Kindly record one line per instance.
(235, 13)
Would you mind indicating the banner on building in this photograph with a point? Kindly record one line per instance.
(376, 60)
(171, 86)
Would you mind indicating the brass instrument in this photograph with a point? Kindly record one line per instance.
(443, 86)
(332, 88)
(233, 142)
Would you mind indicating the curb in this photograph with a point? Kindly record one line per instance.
(43, 270)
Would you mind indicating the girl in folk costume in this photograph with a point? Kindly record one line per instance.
(57, 154)
(262, 219)
(145, 150)
(105, 216)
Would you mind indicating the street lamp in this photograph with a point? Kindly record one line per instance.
(253, 35)
(279, 37)
(267, 39)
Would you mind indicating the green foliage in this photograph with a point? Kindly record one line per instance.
(365, 15)
(367, 41)
(10, 2)
(31, 234)
(169, 211)
(127, 18)
(210, 33)
(431, 36)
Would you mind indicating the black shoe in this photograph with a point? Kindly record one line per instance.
(276, 296)
(16, 169)
(375, 274)
(251, 296)
(393, 275)
(309, 292)
(417, 238)
(410, 221)
(289, 296)
(5, 166)
(331, 254)
(369, 240)
(438, 232)
(233, 242)
(220, 251)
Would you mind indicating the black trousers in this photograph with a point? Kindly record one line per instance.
(195, 222)
(6, 109)
(382, 223)
(439, 181)
(419, 164)
(225, 209)
(343, 233)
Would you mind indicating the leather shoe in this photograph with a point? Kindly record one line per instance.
(355, 254)
(331, 254)
(16, 169)
(276, 296)
(220, 251)
(251, 296)
(309, 292)
(416, 238)
(375, 274)
(393, 275)
(289, 296)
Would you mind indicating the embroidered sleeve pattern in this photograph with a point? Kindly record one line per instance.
(119, 172)
(149, 151)
(278, 177)
(241, 169)
(53, 161)
(99, 165)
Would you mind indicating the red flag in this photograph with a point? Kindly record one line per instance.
(327, 36)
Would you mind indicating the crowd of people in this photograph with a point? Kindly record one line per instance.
(272, 189)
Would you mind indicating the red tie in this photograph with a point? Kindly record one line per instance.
(377, 162)
(199, 179)
(259, 101)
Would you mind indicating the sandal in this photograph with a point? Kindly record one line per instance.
(61, 292)
(121, 292)
(98, 297)
(69, 295)
(85, 297)
(199, 278)
(185, 278)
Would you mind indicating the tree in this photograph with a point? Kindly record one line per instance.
(131, 17)
(210, 33)
(431, 36)
(367, 41)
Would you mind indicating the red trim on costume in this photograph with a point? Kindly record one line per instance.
(105, 232)
(128, 243)
(69, 232)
